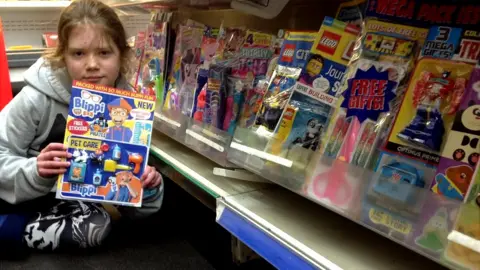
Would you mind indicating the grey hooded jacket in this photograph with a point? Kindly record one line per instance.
(33, 119)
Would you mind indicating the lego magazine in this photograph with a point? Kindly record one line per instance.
(108, 134)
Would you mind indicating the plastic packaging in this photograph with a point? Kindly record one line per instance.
(183, 77)
(385, 53)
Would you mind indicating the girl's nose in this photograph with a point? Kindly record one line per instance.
(92, 62)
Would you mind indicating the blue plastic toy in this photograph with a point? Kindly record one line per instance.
(97, 178)
(395, 182)
(117, 153)
(77, 172)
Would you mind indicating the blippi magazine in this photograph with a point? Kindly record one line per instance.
(108, 134)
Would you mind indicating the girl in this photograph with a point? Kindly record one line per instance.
(92, 47)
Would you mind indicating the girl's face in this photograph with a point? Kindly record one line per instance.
(91, 57)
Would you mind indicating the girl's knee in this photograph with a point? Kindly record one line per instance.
(68, 225)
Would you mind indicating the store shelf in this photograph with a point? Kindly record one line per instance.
(293, 233)
(354, 193)
(208, 141)
(284, 228)
(33, 5)
(198, 169)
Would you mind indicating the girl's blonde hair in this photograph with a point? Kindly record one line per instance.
(92, 12)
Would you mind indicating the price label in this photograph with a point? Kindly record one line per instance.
(205, 140)
(384, 218)
(173, 123)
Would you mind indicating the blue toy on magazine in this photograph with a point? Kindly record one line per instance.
(108, 134)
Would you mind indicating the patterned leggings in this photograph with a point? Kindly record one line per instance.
(68, 224)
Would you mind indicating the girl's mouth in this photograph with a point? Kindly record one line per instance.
(93, 79)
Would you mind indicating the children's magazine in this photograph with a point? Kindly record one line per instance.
(108, 134)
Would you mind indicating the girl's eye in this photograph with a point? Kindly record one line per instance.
(77, 53)
(105, 53)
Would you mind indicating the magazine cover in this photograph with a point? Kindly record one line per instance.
(108, 134)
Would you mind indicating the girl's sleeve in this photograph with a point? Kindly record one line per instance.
(150, 205)
(19, 121)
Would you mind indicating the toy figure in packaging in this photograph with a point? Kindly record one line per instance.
(320, 78)
(277, 96)
(315, 88)
(235, 100)
(199, 100)
(212, 50)
(292, 59)
(152, 66)
(300, 130)
(249, 65)
(386, 53)
(189, 68)
(139, 48)
(460, 154)
(214, 111)
(108, 134)
(253, 102)
(432, 99)
(186, 61)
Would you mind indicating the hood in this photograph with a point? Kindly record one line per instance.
(56, 83)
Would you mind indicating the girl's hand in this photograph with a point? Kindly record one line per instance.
(151, 178)
(49, 161)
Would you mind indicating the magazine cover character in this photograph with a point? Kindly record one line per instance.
(311, 138)
(427, 128)
(312, 69)
(119, 109)
(100, 124)
(123, 187)
(454, 183)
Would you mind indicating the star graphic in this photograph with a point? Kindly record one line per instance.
(373, 77)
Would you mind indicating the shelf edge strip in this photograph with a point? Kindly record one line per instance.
(281, 236)
(196, 178)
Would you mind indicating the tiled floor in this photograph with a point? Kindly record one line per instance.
(171, 254)
(183, 235)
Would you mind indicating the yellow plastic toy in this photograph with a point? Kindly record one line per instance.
(112, 166)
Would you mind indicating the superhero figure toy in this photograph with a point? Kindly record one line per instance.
(427, 127)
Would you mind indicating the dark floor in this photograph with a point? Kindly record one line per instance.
(183, 235)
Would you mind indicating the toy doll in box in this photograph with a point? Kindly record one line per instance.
(427, 127)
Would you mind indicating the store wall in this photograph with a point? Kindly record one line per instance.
(27, 27)
(306, 16)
